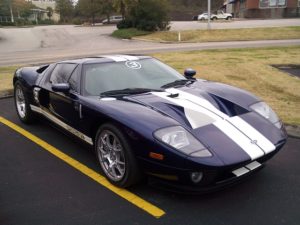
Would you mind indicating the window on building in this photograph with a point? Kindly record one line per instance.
(298, 3)
(272, 3)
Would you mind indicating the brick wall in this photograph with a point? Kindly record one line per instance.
(252, 10)
(272, 13)
(252, 4)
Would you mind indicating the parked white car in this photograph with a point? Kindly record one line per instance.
(220, 15)
(203, 16)
(113, 19)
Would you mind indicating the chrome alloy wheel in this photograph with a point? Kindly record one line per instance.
(20, 102)
(111, 155)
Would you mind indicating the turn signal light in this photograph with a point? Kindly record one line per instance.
(157, 156)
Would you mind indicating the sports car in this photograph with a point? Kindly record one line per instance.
(144, 119)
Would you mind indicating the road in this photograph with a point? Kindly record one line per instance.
(51, 43)
(38, 188)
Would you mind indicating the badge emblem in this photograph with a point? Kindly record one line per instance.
(133, 65)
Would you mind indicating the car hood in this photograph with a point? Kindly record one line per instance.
(219, 116)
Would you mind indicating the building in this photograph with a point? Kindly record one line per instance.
(263, 8)
(41, 10)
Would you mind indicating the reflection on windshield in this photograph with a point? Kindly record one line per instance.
(145, 73)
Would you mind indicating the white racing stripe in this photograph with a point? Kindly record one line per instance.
(115, 58)
(239, 123)
(120, 58)
(201, 112)
(202, 102)
(252, 133)
(239, 138)
(129, 57)
(196, 115)
(241, 171)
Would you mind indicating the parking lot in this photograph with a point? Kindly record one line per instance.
(48, 178)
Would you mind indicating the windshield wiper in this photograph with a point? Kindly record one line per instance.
(177, 83)
(127, 91)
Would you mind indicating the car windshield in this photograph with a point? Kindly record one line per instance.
(146, 73)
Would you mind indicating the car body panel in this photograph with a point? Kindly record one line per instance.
(218, 115)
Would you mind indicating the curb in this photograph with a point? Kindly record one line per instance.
(293, 131)
(6, 94)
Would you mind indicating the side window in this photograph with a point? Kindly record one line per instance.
(62, 73)
(73, 81)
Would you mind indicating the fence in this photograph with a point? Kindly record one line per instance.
(5, 19)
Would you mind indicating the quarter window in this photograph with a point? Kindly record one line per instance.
(62, 73)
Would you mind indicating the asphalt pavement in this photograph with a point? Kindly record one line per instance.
(38, 188)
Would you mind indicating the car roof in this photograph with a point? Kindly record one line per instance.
(106, 59)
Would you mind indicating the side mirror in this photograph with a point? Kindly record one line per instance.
(189, 73)
(62, 87)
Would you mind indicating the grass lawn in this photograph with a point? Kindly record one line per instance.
(249, 34)
(6, 75)
(128, 33)
(249, 69)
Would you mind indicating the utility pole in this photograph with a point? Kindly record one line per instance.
(11, 13)
(208, 14)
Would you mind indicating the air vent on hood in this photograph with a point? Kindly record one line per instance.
(229, 108)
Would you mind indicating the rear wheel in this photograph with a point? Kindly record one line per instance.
(229, 18)
(116, 156)
(22, 104)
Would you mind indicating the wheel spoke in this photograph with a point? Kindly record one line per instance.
(120, 162)
(121, 170)
(112, 169)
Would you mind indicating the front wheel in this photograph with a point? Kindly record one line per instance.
(22, 104)
(116, 156)
(229, 18)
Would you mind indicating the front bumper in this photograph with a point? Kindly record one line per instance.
(214, 179)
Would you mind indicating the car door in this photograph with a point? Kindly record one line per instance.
(65, 105)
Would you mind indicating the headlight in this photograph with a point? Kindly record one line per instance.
(264, 110)
(182, 140)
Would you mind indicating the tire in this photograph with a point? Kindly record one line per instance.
(116, 157)
(23, 109)
(229, 18)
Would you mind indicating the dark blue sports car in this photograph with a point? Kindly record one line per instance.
(144, 118)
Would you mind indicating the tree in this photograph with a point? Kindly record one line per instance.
(15, 8)
(65, 9)
(124, 6)
(89, 8)
(49, 12)
(149, 15)
(107, 8)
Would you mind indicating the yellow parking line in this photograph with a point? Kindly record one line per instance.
(134, 199)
